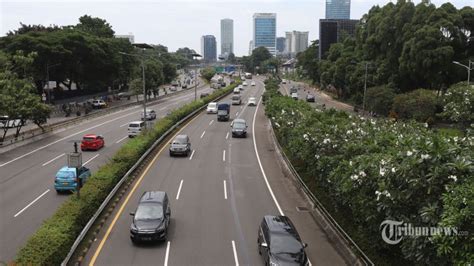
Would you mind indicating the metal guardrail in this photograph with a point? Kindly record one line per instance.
(49, 128)
(320, 207)
(104, 204)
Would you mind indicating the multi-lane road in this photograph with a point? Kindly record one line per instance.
(218, 197)
(27, 195)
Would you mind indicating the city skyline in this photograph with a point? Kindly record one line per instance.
(264, 31)
(197, 18)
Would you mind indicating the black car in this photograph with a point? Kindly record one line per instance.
(203, 95)
(181, 145)
(279, 242)
(152, 217)
(310, 98)
(239, 128)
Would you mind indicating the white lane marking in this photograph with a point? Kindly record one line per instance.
(88, 161)
(259, 161)
(212, 121)
(203, 134)
(227, 136)
(241, 107)
(167, 253)
(223, 156)
(235, 254)
(236, 114)
(192, 154)
(125, 124)
(52, 160)
(225, 190)
(179, 189)
(31, 203)
(120, 140)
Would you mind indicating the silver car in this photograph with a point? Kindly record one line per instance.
(181, 145)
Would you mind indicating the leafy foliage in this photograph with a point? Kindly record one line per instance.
(208, 73)
(420, 105)
(459, 104)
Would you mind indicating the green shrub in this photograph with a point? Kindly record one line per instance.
(379, 99)
(419, 105)
(459, 104)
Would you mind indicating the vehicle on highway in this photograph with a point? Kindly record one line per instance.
(150, 115)
(92, 142)
(66, 178)
(184, 86)
(173, 88)
(245, 83)
(252, 83)
(236, 99)
(181, 145)
(279, 243)
(174, 83)
(152, 217)
(240, 87)
(124, 94)
(223, 112)
(6, 122)
(283, 81)
(310, 98)
(248, 75)
(294, 95)
(98, 104)
(135, 128)
(239, 128)
(211, 108)
(252, 101)
(293, 89)
(203, 95)
(236, 90)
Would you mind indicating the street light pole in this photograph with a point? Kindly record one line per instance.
(144, 90)
(195, 77)
(47, 80)
(468, 67)
(365, 86)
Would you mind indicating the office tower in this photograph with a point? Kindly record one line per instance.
(338, 9)
(332, 30)
(264, 31)
(227, 37)
(296, 42)
(281, 41)
(209, 48)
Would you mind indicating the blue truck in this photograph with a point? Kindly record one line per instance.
(223, 112)
(66, 178)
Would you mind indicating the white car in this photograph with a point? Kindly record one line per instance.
(283, 81)
(252, 101)
(150, 114)
(294, 95)
(236, 91)
(212, 108)
(253, 83)
(241, 87)
(245, 83)
(135, 128)
(99, 104)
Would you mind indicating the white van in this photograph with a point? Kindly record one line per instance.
(236, 91)
(135, 128)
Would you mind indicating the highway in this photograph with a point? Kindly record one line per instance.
(218, 197)
(27, 195)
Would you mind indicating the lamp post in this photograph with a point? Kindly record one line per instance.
(468, 67)
(365, 86)
(47, 79)
(195, 77)
(143, 46)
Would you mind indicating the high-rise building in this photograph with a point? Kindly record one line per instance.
(227, 37)
(332, 30)
(338, 9)
(281, 44)
(250, 47)
(209, 48)
(296, 42)
(264, 31)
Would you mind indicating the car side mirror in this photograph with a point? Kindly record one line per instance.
(132, 214)
(305, 245)
(263, 244)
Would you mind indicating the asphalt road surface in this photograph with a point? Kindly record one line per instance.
(27, 195)
(218, 197)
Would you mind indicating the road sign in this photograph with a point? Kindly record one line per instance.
(74, 159)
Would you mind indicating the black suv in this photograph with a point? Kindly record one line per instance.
(279, 242)
(152, 217)
(181, 145)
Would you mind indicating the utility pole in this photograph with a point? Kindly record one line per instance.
(365, 86)
(195, 77)
(468, 67)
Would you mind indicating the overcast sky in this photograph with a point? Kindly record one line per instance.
(181, 23)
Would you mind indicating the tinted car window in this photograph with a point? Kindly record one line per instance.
(180, 141)
(284, 243)
(134, 125)
(149, 212)
(239, 125)
(65, 174)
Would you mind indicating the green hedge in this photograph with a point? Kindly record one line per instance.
(366, 171)
(53, 240)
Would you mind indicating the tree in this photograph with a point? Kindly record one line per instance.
(208, 73)
(231, 58)
(308, 61)
(95, 26)
(259, 55)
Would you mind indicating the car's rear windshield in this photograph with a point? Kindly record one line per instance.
(239, 125)
(65, 174)
(134, 125)
(179, 141)
(212, 105)
(236, 97)
(149, 211)
(88, 138)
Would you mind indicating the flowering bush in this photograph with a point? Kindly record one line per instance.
(378, 169)
(459, 103)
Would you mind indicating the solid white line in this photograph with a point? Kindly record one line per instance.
(22, 210)
(120, 140)
(225, 190)
(260, 163)
(212, 121)
(88, 161)
(52, 160)
(227, 136)
(223, 156)
(179, 189)
(167, 253)
(235, 254)
(125, 124)
(236, 114)
(203, 134)
(192, 154)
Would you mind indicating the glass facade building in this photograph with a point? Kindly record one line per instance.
(332, 30)
(264, 31)
(338, 9)
(227, 37)
(208, 48)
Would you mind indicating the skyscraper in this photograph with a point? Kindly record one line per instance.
(338, 9)
(331, 31)
(281, 44)
(296, 41)
(264, 31)
(209, 48)
(227, 37)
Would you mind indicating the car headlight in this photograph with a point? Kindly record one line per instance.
(133, 228)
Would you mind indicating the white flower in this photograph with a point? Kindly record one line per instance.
(382, 171)
(290, 123)
(349, 132)
(334, 146)
(372, 121)
(350, 163)
(283, 111)
(394, 170)
(425, 156)
(453, 177)
(383, 162)
(292, 113)
(426, 124)
(326, 141)
(276, 124)
(306, 137)
(354, 177)
(353, 124)
(385, 193)
(409, 153)
(316, 156)
(362, 174)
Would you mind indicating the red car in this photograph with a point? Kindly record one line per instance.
(92, 142)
